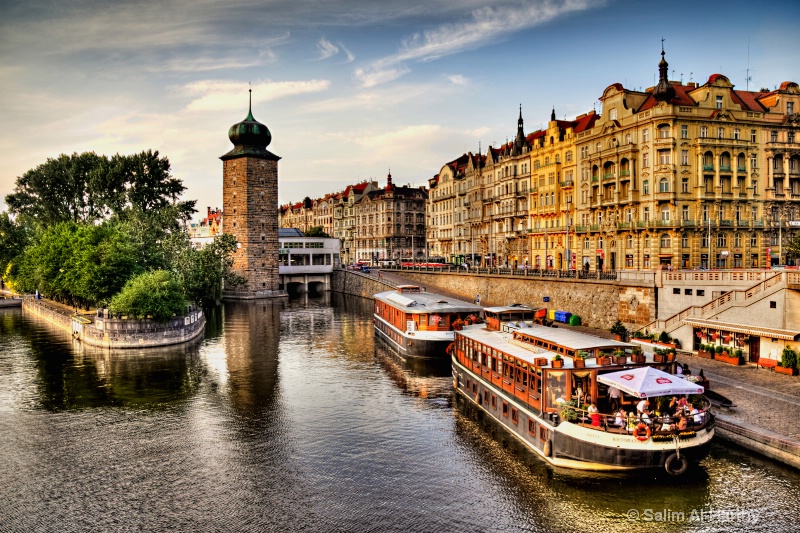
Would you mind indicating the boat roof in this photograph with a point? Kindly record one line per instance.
(504, 341)
(427, 302)
(506, 308)
(572, 339)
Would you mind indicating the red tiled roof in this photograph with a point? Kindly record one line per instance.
(681, 97)
(584, 122)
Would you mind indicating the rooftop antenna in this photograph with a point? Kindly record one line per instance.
(747, 77)
(681, 78)
(690, 76)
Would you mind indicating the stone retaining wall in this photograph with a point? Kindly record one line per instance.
(122, 333)
(357, 284)
(599, 303)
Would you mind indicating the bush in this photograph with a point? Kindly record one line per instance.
(789, 358)
(153, 294)
(718, 349)
(664, 337)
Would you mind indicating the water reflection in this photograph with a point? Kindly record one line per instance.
(290, 416)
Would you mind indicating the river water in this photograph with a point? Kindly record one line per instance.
(289, 416)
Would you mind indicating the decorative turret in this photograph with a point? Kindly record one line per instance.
(389, 186)
(519, 141)
(664, 91)
(553, 115)
(249, 137)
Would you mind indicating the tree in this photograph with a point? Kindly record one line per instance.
(203, 272)
(155, 294)
(92, 188)
(14, 237)
(792, 249)
(316, 231)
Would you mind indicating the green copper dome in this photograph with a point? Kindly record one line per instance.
(250, 138)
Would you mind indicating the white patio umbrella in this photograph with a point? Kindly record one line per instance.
(646, 381)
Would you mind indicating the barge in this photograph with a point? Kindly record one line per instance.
(552, 389)
(418, 323)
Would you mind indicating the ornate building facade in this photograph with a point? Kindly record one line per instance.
(676, 176)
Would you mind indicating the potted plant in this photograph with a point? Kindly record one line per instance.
(706, 351)
(637, 334)
(568, 413)
(659, 356)
(664, 337)
(788, 362)
(717, 351)
(619, 331)
(739, 355)
(558, 361)
(579, 361)
(620, 358)
(540, 361)
(603, 359)
(637, 356)
(458, 324)
(670, 353)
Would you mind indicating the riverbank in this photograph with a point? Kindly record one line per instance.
(767, 404)
(97, 329)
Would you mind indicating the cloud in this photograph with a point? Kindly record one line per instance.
(458, 79)
(373, 77)
(485, 25)
(216, 95)
(326, 49)
(350, 56)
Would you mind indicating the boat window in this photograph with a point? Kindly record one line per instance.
(571, 353)
(494, 364)
(556, 389)
(524, 379)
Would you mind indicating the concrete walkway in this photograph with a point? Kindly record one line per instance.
(767, 404)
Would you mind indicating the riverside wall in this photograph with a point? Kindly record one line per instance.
(599, 303)
(120, 333)
(358, 284)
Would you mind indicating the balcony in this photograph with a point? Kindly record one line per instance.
(724, 168)
(663, 196)
(741, 169)
(726, 222)
(594, 227)
(581, 229)
(567, 183)
(609, 176)
(742, 223)
(624, 225)
(708, 167)
(595, 179)
(688, 223)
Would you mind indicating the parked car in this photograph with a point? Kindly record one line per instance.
(365, 268)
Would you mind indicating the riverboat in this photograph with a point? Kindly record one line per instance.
(419, 323)
(538, 382)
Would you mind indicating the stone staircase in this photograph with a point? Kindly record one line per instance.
(738, 298)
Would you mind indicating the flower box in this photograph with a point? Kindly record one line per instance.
(558, 363)
(639, 359)
(540, 361)
(603, 361)
(620, 359)
(784, 370)
(660, 358)
(731, 360)
(705, 354)
(579, 363)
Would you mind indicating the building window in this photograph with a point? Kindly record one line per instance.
(646, 214)
(789, 108)
(663, 185)
(685, 212)
(531, 427)
(645, 160)
(684, 157)
(720, 133)
(514, 415)
(703, 132)
(586, 243)
(628, 139)
(665, 213)
(663, 131)
(754, 161)
(687, 292)
(505, 409)
(737, 239)
(629, 242)
(684, 131)
(722, 240)
(612, 114)
(646, 135)
(736, 134)
(790, 138)
(676, 290)
(701, 292)
(773, 136)
(663, 157)
(665, 241)
(685, 185)
(752, 136)
(645, 187)
(773, 304)
(684, 241)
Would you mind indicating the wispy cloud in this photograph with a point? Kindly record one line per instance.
(348, 53)
(216, 95)
(486, 25)
(458, 79)
(326, 48)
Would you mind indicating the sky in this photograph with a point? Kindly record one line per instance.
(349, 89)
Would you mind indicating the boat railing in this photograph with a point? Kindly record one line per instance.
(658, 424)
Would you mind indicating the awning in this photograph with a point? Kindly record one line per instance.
(646, 381)
(773, 333)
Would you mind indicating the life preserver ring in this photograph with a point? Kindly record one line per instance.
(548, 449)
(449, 349)
(641, 432)
(675, 466)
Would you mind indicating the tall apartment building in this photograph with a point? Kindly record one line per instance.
(682, 176)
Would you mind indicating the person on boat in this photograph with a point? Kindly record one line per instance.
(682, 423)
(679, 370)
(643, 406)
(674, 407)
(686, 371)
(619, 418)
(613, 397)
(697, 416)
(683, 403)
(594, 414)
(631, 422)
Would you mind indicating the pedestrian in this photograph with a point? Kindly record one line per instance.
(478, 299)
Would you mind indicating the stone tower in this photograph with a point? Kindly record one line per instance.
(250, 209)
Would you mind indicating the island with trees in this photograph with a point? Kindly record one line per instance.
(109, 233)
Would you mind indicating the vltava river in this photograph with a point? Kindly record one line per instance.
(289, 417)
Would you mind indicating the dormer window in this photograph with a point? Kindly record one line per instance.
(612, 114)
(719, 102)
(789, 108)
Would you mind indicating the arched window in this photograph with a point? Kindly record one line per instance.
(629, 243)
(647, 241)
(568, 156)
(663, 185)
(600, 243)
(665, 213)
(665, 241)
(558, 158)
(663, 131)
(586, 243)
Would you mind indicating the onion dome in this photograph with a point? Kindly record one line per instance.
(664, 91)
(389, 186)
(250, 137)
